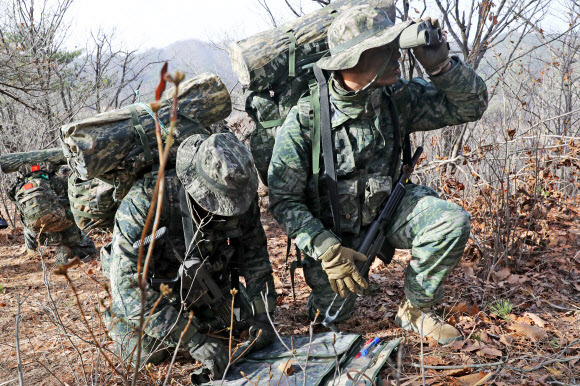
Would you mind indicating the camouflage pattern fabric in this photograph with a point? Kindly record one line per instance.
(71, 236)
(363, 137)
(41, 200)
(262, 60)
(355, 31)
(115, 140)
(79, 243)
(169, 320)
(218, 172)
(13, 162)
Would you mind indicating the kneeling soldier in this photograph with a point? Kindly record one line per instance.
(211, 233)
(371, 108)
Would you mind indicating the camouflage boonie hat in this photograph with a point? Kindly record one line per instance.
(218, 172)
(356, 30)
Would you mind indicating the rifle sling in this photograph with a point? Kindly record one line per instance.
(328, 148)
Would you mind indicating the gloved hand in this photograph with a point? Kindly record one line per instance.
(214, 357)
(339, 264)
(433, 58)
(256, 340)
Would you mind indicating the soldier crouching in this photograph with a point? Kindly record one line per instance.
(212, 234)
(371, 107)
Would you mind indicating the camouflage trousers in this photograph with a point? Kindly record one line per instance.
(153, 350)
(434, 229)
(125, 342)
(73, 238)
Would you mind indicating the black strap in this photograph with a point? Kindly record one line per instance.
(187, 221)
(327, 147)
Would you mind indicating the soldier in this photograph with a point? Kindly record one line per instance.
(48, 207)
(367, 98)
(214, 191)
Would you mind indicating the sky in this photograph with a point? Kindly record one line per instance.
(142, 24)
(146, 23)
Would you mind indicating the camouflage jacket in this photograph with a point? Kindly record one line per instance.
(167, 321)
(363, 137)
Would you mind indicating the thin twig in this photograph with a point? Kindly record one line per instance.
(457, 367)
(177, 348)
(20, 373)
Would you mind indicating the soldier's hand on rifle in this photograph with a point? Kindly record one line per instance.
(435, 57)
(214, 357)
(339, 264)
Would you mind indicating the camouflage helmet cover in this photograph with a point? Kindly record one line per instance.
(218, 172)
(357, 30)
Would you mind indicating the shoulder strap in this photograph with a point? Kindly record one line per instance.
(327, 146)
(141, 132)
(188, 229)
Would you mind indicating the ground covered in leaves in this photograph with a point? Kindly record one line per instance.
(521, 322)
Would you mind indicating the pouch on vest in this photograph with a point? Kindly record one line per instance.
(92, 203)
(40, 206)
(325, 353)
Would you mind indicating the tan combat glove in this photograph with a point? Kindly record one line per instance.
(339, 264)
(433, 58)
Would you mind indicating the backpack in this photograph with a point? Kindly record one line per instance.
(94, 202)
(275, 67)
(41, 200)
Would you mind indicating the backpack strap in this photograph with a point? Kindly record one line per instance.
(327, 147)
(291, 53)
(141, 132)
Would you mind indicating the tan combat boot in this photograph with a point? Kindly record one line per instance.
(414, 319)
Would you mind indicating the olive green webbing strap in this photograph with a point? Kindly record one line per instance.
(291, 53)
(75, 198)
(271, 123)
(141, 132)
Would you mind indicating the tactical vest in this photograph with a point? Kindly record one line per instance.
(367, 161)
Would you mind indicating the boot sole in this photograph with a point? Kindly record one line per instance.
(406, 325)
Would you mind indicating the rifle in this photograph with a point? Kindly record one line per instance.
(193, 282)
(10, 163)
(375, 237)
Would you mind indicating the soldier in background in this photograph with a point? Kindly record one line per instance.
(210, 218)
(369, 104)
(40, 195)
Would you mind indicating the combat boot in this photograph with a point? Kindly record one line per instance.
(415, 319)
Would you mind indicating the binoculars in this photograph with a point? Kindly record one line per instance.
(420, 34)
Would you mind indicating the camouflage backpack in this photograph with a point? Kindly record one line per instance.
(94, 202)
(275, 68)
(40, 197)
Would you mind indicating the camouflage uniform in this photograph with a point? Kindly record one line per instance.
(71, 241)
(219, 242)
(363, 138)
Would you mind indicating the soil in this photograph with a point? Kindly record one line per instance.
(44, 331)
